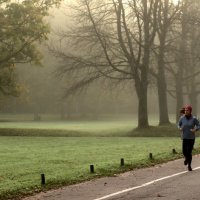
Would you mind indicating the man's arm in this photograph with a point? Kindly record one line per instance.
(179, 125)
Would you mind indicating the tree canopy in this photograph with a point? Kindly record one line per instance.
(23, 26)
(139, 42)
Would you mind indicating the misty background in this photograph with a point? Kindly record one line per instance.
(43, 88)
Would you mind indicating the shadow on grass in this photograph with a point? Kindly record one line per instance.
(156, 131)
(151, 131)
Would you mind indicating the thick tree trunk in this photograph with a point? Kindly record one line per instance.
(193, 98)
(182, 62)
(142, 109)
(141, 86)
(191, 86)
(142, 89)
(162, 87)
(162, 101)
(143, 83)
(179, 96)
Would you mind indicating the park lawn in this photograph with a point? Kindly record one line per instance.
(108, 126)
(10, 125)
(102, 123)
(66, 160)
(79, 126)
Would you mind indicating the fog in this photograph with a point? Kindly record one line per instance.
(43, 89)
(43, 93)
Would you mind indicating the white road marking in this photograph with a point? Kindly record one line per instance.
(143, 185)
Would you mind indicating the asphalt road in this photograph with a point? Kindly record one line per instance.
(184, 187)
(169, 181)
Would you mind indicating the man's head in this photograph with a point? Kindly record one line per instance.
(188, 110)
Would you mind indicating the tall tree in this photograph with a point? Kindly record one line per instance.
(167, 15)
(23, 26)
(192, 69)
(185, 69)
(112, 39)
(182, 56)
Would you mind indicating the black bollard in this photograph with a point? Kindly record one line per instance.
(174, 151)
(91, 168)
(122, 162)
(42, 179)
(150, 156)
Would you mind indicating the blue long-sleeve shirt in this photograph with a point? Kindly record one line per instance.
(186, 125)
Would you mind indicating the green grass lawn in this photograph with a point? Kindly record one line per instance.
(50, 126)
(66, 160)
(104, 126)
(81, 126)
(102, 123)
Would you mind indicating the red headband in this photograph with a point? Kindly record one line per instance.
(188, 107)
